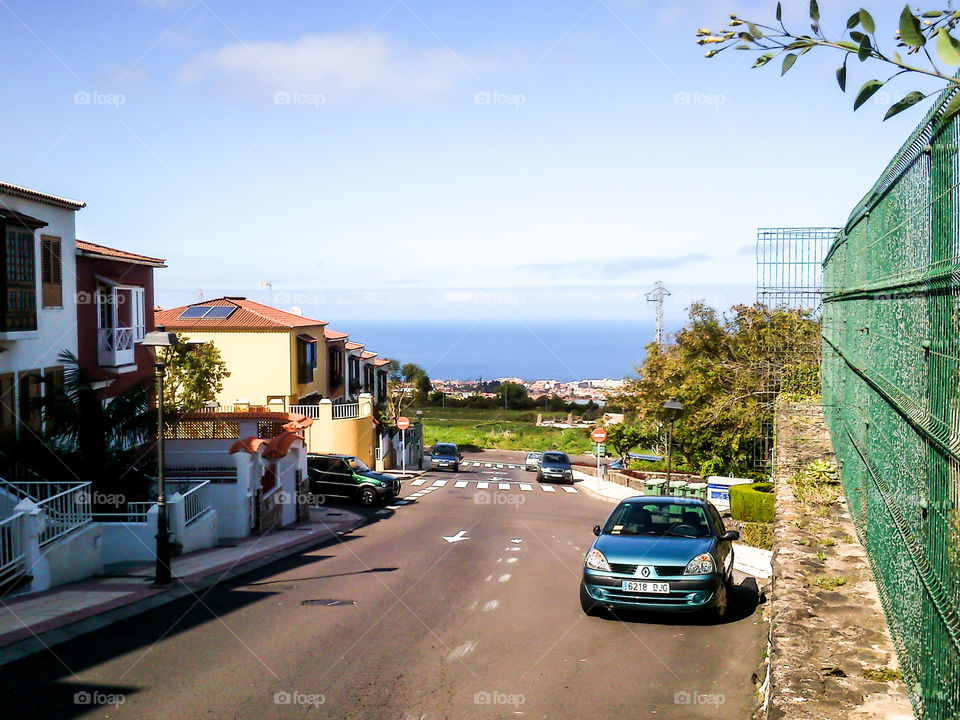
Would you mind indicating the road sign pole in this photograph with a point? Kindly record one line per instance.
(598, 466)
(403, 450)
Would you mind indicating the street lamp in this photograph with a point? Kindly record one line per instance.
(160, 338)
(671, 409)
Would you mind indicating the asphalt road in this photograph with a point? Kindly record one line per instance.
(487, 627)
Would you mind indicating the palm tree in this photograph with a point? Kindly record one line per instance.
(99, 441)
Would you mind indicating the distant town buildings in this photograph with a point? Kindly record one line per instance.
(571, 391)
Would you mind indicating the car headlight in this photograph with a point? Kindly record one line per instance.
(596, 561)
(700, 565)
(568, 473)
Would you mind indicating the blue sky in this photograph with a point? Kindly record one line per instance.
(434, 160)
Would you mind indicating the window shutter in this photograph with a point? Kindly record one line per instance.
(51, 272)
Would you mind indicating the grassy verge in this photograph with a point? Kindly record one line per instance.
(504, 434)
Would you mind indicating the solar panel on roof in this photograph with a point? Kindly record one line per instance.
(220, 311)
(195, 311)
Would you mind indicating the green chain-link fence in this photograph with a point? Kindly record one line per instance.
(891, 365)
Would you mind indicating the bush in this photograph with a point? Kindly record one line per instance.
(752, 503)
(758, 535)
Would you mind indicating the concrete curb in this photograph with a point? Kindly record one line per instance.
(182, 587)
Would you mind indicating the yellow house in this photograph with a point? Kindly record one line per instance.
(283, 362)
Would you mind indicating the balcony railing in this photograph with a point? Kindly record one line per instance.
(115, 345)
(310, 411)
(346, 411)
(135, 512)
(12, 556)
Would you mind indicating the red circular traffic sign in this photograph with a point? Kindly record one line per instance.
(599, 435)
(403, 423)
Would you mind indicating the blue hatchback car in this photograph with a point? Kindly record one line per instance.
(660, 553)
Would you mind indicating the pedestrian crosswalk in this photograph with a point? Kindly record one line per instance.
(475, 463)
(428, 484)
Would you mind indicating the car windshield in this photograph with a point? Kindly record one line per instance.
(556, 458)
(443, 449)
(658, 518)
(357, 465)
(534, 456)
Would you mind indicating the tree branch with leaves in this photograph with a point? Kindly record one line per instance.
(916, 33)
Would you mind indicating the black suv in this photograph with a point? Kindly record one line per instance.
(344, 476)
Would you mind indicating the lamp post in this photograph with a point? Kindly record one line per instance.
(671, 409)
(160, 338)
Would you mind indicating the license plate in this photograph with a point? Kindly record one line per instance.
(646, 587)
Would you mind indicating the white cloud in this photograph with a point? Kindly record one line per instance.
(341, 68)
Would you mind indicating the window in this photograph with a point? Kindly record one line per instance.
(29, 399)
(138, 314)
(8, 415)
(306, 358)
(336, 367)
(51, 272)
(19, 291)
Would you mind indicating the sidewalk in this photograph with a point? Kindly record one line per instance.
(748, 560)
(35, 622)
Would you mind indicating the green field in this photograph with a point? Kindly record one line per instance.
(484, 429)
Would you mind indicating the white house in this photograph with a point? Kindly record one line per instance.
(38, 285)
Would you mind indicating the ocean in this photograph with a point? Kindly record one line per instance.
(470, 350)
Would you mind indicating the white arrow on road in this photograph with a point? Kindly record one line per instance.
(456, 538)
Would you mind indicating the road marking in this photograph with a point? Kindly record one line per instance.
(460, 484)
(462, 650)
(511, 560)
(504, 486)
(492, 605)
(569, 489)
(516, 541)
(548, 488)
(488, 465)
(482, 485)
(504, 577)
(499, 466)
(489, 578)
(440, 483)
(456, 538)
(526, 487)
(473, 605)
(419, 482)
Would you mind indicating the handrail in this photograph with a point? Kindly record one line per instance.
(196, 501)
(12, 556)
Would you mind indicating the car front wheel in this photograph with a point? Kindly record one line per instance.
(722, 604)
(368, 497)
(589, 606)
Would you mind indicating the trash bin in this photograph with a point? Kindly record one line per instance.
(697, 490)
(653, 487)
(677, 487)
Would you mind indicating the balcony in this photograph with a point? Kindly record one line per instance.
(115, 346)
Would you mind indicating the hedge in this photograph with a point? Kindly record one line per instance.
(752, 503)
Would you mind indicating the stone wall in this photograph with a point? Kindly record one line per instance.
(831, 655)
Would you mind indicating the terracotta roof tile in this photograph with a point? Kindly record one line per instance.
(354, 345)
(27, 193)
(367, 355)
(334, 334)
(89, 248)
(249, 315)
(380, 362)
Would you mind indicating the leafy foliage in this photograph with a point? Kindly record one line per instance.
(623, 438)
(97, 441)
(915, 31)
(726, 371)
(194, 375)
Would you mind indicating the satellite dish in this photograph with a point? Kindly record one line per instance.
(297, 310)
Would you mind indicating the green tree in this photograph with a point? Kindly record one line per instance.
(727, 372)
(916, 33)
(194, 375)
(516, 396)
(407, 385)
(623, 438)
(96, 440)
